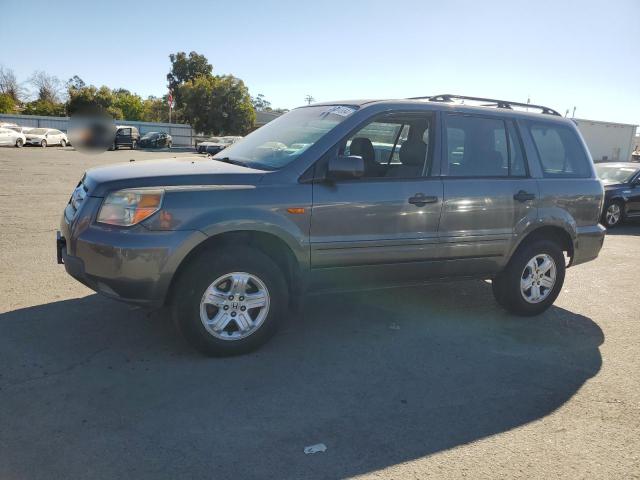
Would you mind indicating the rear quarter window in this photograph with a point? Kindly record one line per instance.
(560, 151)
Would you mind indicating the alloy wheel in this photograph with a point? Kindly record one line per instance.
(538, 278)
(613, 214)
(234, 306)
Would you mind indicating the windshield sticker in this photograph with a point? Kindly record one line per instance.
(341, 110)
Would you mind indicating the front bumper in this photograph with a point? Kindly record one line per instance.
(135, 266)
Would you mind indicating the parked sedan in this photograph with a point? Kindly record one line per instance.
(216, 144)
(621, 192)
(44, 137)
(156, 140)
(8, 136)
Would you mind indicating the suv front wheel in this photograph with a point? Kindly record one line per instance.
(229, 301)
(532, 280)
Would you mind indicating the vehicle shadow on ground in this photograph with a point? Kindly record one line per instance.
(93, 388)
(630, 227)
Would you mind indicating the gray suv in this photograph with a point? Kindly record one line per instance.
(334, 196)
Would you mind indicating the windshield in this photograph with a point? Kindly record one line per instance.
(282, 140)
(214, 140)
(38, 131)
(151, 135)
(613, 174)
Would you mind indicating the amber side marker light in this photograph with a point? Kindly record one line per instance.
(295, 211)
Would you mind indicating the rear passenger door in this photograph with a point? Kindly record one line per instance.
(489, 196)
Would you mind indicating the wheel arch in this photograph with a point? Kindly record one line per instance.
(268, 243)
(556, 233)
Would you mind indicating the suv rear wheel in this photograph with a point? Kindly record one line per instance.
(229, 301)
(533, 279)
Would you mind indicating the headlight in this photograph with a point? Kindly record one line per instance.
(130, 207)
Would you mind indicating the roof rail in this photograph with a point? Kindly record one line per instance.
(488, 102)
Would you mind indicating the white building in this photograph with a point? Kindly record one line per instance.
(608, 141)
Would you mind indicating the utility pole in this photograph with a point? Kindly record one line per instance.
(573, 115)
(309, 99)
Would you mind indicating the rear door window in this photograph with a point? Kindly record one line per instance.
(476, 146)
(560, 151)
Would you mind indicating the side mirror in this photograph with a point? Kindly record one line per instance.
(345, 167)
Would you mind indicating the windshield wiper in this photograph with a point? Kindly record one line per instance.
(231, 161)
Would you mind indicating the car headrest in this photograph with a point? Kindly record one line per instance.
(413, 152)
(363, 147)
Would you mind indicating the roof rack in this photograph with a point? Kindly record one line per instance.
(488, 102)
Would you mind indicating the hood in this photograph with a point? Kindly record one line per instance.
(613, 186)
(171, 172)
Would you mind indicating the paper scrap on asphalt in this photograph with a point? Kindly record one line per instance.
(318, 447)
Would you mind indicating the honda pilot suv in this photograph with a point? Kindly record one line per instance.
(345, 195)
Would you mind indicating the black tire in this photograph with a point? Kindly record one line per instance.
(201, 273)
(19, 143)
(43, 144)
(63, 143)
(607, 219)
(506, 286)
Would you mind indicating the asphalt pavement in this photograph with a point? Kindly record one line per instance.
(429, 382)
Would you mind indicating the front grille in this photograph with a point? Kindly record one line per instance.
(75, 202)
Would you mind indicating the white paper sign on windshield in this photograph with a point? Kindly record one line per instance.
(341, 110)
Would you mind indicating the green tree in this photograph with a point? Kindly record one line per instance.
(75, 83)
(44, 107)
(186, 68)
(129, 104)
(220, 105)
(260, 103)
(155, 109)
(7, 103)
(92, 100)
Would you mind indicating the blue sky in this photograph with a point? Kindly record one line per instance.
(560, 53)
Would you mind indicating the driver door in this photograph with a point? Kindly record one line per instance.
(364, 231)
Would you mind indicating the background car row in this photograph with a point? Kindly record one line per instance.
(15, 135)
(127, 136)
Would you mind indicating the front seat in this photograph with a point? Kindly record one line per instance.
(362, 147)
(412, 156)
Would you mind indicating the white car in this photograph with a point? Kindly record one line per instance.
(11, 137)
(19, 129)
(46, 136)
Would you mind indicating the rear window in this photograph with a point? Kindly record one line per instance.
(560, 151)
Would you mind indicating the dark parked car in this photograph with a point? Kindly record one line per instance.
(156, 140)
(341, 196)
(125, 137)
(621, 191)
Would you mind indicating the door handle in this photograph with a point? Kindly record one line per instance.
(420, 199)
(523, 196)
